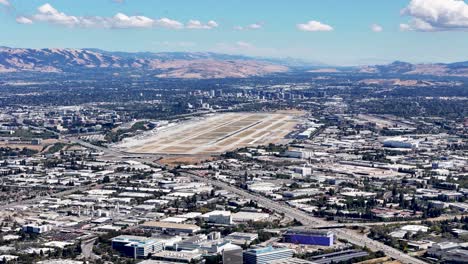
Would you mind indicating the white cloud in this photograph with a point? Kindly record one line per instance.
(48, 14)
(123, 21)
(314, 26)
(23, 20)
(253, 26)
(196, 24)
(242, 44)
(376, 28)
(436, 15)
(405, 27)
(5, 2)
(169, 23)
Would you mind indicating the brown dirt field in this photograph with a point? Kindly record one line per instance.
(44, 144)
(291, 112)
(177, 149)
(212, 149)
(21, 146)
(188, 160)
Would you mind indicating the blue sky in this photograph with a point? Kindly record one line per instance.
(339, 32)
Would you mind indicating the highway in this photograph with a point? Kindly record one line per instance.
(87, 249)
(304, 218)
(409, 222)
(308, 220)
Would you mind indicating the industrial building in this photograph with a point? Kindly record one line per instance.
(309, 237)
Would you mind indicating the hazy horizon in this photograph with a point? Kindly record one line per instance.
(333, 32)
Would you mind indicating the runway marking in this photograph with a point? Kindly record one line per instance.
(216, 134)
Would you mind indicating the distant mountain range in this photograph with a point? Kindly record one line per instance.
(197, 65)
(436, 69)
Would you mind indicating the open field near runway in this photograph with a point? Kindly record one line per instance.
(216, 134)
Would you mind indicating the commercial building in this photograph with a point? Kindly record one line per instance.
(211, 243)
(219, 217)
(266, 255)
(171, 227)
(178, 256)
(233, 256)
(136, 246)
(455, 256)
(304, 171)
(298, 154)
(400, 142)
(263, 187)
(240, 217)
(413, 229)
(309, 237)
(36, 229)
(437, 250)
(292, 261)
(337, 257)
(56, 261)
(449, 252)
(239, 238)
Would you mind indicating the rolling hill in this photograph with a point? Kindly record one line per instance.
(163, 65)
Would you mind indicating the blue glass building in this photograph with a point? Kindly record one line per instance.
(309, 237)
